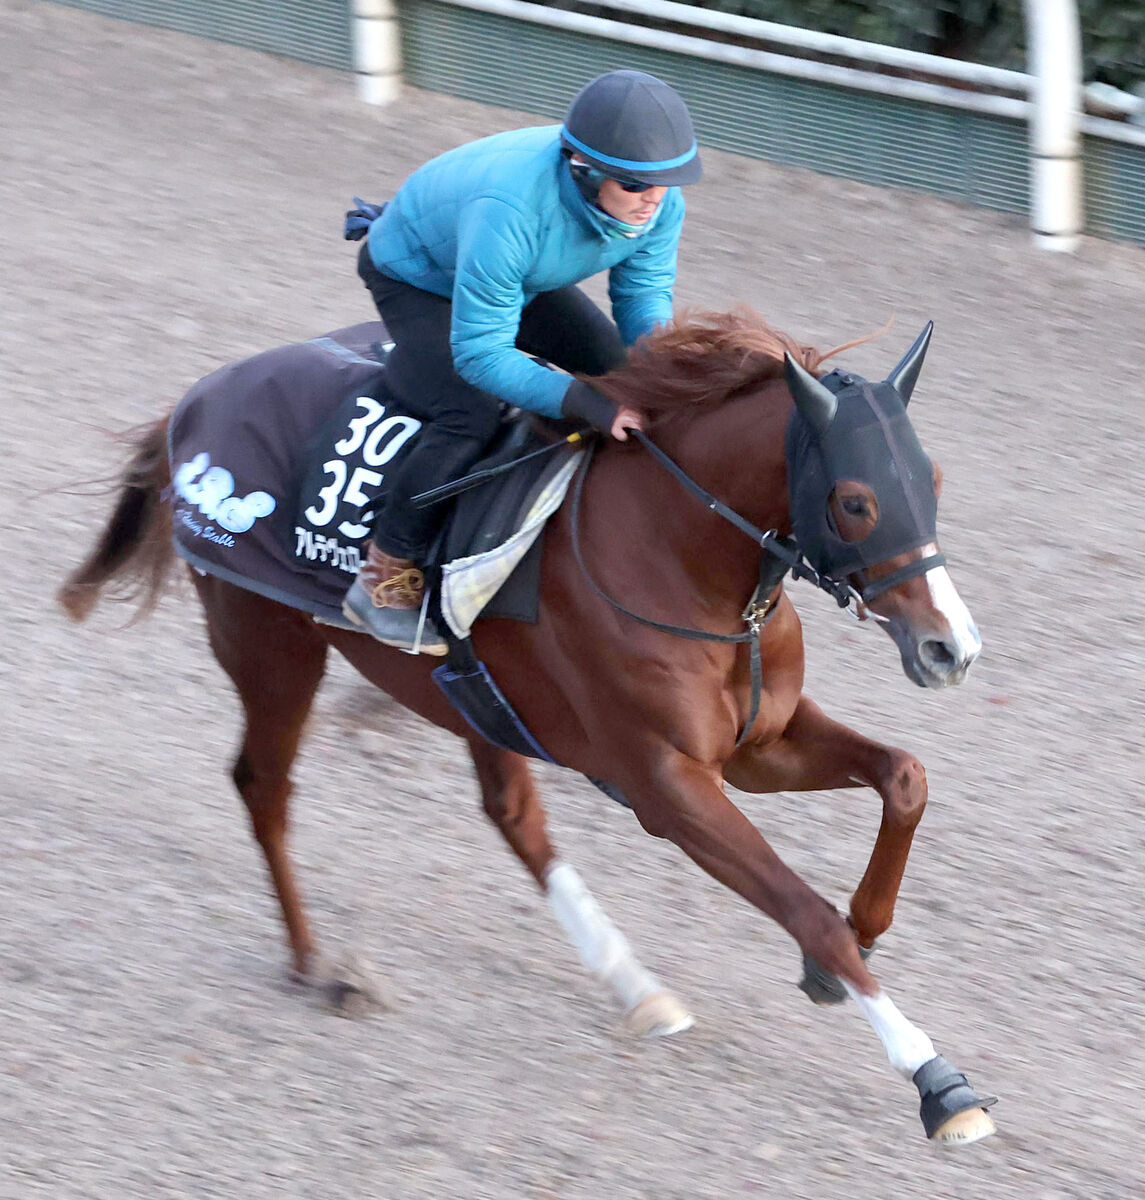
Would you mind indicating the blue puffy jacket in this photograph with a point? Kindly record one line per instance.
(498, 221)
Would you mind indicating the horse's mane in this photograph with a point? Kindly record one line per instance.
(702, 359)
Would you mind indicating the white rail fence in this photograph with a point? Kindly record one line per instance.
(1049, 100)
(1019, 142)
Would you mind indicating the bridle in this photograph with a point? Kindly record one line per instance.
(780, 556)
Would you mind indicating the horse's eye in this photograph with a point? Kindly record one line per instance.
(854, 506)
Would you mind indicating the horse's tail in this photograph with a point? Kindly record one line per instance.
(134, 552)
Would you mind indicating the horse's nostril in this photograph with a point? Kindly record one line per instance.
(937, 655)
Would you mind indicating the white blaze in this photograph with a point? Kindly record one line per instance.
(947, 601)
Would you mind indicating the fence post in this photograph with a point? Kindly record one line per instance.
(1054, 38)
(377, 49)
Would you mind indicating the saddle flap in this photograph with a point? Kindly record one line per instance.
(486, 515)
(496, 571)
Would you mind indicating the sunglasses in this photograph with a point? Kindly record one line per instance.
(584, 171)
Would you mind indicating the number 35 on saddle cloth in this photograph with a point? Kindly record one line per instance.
(278, 460)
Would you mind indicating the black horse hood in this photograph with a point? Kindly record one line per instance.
(845, 427)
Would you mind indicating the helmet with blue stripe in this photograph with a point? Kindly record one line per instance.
(631, 126)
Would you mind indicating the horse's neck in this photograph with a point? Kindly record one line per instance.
(736, 454)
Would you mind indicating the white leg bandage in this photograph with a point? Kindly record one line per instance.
(906, 1045)
(601, 946)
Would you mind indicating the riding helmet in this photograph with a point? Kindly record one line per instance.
(633, 127)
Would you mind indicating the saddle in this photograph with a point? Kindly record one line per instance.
(486, 556)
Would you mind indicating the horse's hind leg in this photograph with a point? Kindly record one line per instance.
(510, 799)
(275, 658)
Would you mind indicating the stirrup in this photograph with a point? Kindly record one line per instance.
(410, 630)
(423, 616)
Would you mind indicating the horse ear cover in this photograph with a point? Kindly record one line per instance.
(905, 375)
(815, 401)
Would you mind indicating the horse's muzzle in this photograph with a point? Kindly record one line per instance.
(936, 662)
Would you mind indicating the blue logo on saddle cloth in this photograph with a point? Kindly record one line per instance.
(244, 443)
(211, 510)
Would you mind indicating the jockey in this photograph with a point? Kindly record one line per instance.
(472, 266)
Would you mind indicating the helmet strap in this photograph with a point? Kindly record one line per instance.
(586, 177)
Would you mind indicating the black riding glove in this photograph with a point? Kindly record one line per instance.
(587, 404)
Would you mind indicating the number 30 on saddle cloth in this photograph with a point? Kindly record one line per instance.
(278, 460)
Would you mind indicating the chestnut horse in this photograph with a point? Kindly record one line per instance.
(639, 671)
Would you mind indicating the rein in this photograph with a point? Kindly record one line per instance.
(784, 549)
(780, 555)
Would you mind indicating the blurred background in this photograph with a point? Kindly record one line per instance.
(172, 188)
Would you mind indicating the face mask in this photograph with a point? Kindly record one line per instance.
(621, 229)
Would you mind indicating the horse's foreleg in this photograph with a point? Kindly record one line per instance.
(684, 802)
(276, 660)
(510, 799)
(952, 1112)
(816, 753)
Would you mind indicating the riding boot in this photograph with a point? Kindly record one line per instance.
(386, 600)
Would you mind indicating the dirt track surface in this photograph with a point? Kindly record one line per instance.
(169, 205)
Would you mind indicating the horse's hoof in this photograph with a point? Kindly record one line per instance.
(970, 1126)
(658, 1016)
(819, 986)
(953, 1114)
(350, 998)
(309, 975)
(353, 990)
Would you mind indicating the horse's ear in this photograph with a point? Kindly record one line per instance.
(905, 375)
(815, 402)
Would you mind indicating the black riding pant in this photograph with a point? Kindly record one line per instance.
(563, 327)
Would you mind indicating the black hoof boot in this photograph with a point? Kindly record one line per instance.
(821, 986)
(952, 1112)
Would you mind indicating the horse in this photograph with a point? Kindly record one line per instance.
(666, 657)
